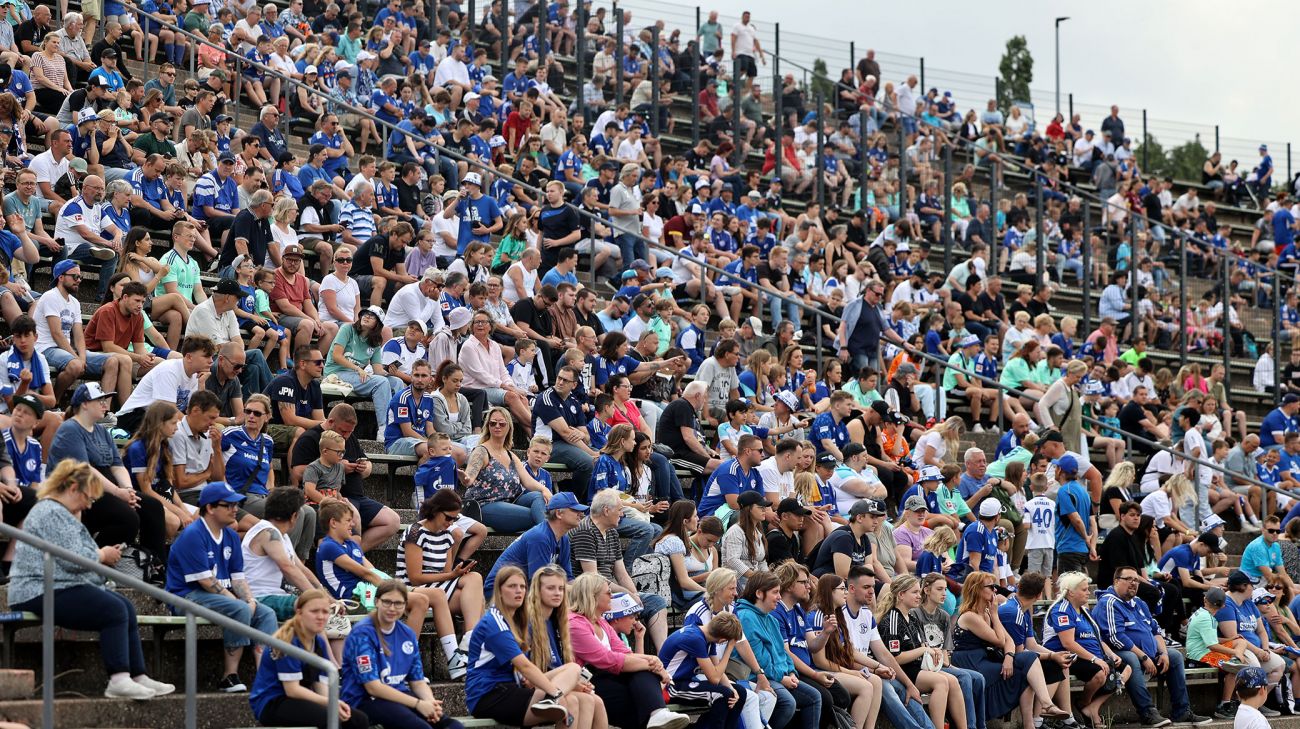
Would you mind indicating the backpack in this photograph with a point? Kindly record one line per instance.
(652, 573)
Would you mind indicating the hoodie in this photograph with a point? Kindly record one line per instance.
(764, 634)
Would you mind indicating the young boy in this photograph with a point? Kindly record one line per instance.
(699, 679)
(1040, 545)
(539, 452)
(521, 368)
(740, 421)
(598, 427)
(324, 476)
(439, 471)
(1251, 692)
(27, 373)
(264, 283)
(1204, 645)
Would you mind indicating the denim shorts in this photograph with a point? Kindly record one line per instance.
(59, 358)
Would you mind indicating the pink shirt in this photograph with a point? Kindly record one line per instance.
(483, 366)
(588, 650)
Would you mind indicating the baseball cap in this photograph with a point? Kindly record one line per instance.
(1066, 464)
(663, 272)
(1252, 677)
(99, 81)
(970, 340)
(226, 156)
(695, 209)
(78, 164)
(291, 250)
(621, 605)
(640, 265)
(867, 506)
(223, 118)
(108, 53)
(86, 115)
(450, 195)
(1053, 436)
(1261, 596)
(565, 500)
(471, 96)
(472, 178)
(1092, 387)
(31, 402)
(628, 275)
(990, 508)
(756, 324)
(1212, 541)
(1289, 398)
(1216, 596)
(1263, 147)
(1213, 521)
(218, 491)
(915, 503)
(90, 391)
(701, 183)
(64, 266)
(827, 459)
(365, 56)
(788, 399)
(750, 498)
(377, 311)
(754, 194)
(792, 506)
(929, 473)
(310, 69)
(1238, 578)
(228, 287)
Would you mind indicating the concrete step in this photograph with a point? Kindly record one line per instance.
(16, 684)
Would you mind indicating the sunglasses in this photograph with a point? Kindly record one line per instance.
(1273, 531)
(225, 505)
(238, 368)
(343, 260)
(254, 413)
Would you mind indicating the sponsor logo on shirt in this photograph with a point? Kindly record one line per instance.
(363, 664)
(894, 646)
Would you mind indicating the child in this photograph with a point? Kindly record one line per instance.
(1006, 576)
(324, 476)
(539, 452)
(1204, 645)
(949, 496)
(1040, 545)
(264, 280)
(740, 419)
(438, 472)
(263, 336)
(697, 677)
(521, 368)
(341, 565)
(1251, 692)
(691, 338)
(598, 427)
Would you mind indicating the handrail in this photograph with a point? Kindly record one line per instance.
(654, 245)
(191, 610)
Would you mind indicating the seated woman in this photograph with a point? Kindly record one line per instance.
(148, 458)
(835, 656)
(277, 698)
(430, 562)
(903, 637)
(383, 676)
(691, 545)
(630, 683)
(451, 410)
(511, 500)
(496, 659)
(1070, 627)
(80, 600)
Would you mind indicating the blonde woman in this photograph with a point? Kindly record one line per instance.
(940, 442)
(1070, 627)
(510, 498)
(1115, 491)
(923, 664)
(546, 612)
(1163, 505)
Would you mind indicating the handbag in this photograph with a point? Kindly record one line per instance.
(338, 626)
(141, 564)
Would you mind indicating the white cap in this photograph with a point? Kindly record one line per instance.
(472, 178)
(470, 97)
(990, 507)
(310, 69)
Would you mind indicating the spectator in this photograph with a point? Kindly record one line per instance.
(544, 544)
(558, 415)
(510, 498)
(762, 631)
(848, 546)
(174, 380)
(355, 358)
(1070, 627)
(291, 296)
(215, 320)
(297, 398)
(270, 559)
(484, 368)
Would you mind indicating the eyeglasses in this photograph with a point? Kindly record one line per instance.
(253, 413)
(393, 604)
(225, 505)
(1130, 578)
(320, 361)
(331, 450)
(1275, 587)
(841, 588)
(497, 423)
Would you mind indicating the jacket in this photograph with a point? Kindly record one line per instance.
(589, 651)
(1126, 624)
(764, 635)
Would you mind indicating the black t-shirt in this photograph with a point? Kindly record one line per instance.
(1111, 494)
(307, 449)
(991, 305)
(602, 189)
(679, 414)
(286, 388)
(1036, 308)
(1118, 548)
(555, 223)
(249, 227)
(780, 547)
(969, 305)
(408, 197)
(1290, 376)
(28, 30)
(527, 312)
(1070, 221)
(1151, 201)
(900, 634)
(841, 541)
(228, 392)
(780, 279)
(379, 247)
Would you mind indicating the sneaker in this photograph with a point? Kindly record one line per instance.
(1154, 719)
(103, 253)
(158, 687)
(665, 719)
(1266, 711)
(1225, 710)
(1193, 719)
(109, 421)
(125, 688)
(1231, 666)
(231, 685)
(977, 429)
(1250, 528)
(550, 711)
(458, 664)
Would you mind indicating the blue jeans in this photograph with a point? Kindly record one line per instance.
(901, 713)
(579, 465)
(256, 375)
(1174, 676)
(92, 608)
(513, 518)
(778, 306)
(972, 689)
(262, 619)
(377, 387)
(106, 268)
(664, 477)
(639, 535)
(806, 699)
(631, 248)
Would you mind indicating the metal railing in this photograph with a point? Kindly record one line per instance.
(192, 613)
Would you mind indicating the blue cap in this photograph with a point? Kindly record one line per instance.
(565, 500)
(218, 491)
(64, 266)
(663, 272)
(1066, 463)
(89, 391)
(1252, 677)
(629, 275)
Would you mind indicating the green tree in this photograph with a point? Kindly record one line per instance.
(1152, 157)
(1186, 160)
(821, 82)
(1016, 72)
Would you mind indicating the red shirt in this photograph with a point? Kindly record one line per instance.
(108, 325)
(519, 125)
(297, 293)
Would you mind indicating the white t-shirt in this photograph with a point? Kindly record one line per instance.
(1161, 464)
(451, 226)
(355, 182)
(410, 304)
(774, 481)
(45, 168)
(166, 383)
(52, 303)
(630, 151)
(450, 69)
(1248, 717)
(1157, 506)
(345, 297)
(862, 628)
(1193, 441)
(1040, 516)
(746, 39)
(510, 292)
(933, 440)
(280, 239)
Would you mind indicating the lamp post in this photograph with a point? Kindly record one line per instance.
(1058, 62)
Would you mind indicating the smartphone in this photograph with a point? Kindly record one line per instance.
(586, 675)
(468, 563)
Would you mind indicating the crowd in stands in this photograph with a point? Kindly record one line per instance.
(615, 356)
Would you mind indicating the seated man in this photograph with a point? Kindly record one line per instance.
(544, 544)
(597, 548)
(291, 297)
(60, 339)
(297, 398)
(206, 566)
(174, 380)
(410, 415)
(269, 558)
(195, 447)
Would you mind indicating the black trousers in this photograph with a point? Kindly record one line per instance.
(296, 712)
(630, 698)
(112, 522)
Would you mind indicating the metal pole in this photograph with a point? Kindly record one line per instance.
(470, 18)
(1058, 65)
(579, 59)
(908, 111)
(821, 161)
(618, 65)
(1182, 297)
(821, 351)
(993, 243)
(779, 124)
(738, 154)
(1070, 97)
(47, 645)
(1087, 267)
(1288, 161)
(654, 80)
(503, 28)
(1226, 319)
(864, 170)
(1040, 240)
(191, 671)
(695, 95)
(1216, 137)
(1145, 137)
(1132, 276)
(1275, 295)
(902, 171)
(776, 53)
(947, 208)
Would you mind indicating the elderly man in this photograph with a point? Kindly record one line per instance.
(863, 329)
(679, 427)
(224, 382)
(417, 301)
(596, 547)
(215, 319)
(625, 211)
(275, 147)
(79, 228)
(31, 33)
(358, 215)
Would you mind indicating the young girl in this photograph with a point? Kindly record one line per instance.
(266, 335)
(936, 557)
(549, 648)
(835, 656)
(302, 700)
(148, 458)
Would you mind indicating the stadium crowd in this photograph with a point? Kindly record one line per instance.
(768, 517)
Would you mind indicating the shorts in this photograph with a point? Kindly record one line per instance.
(291, 323)
(1213, 658)
(1052, 671)
(368, 509)
(745, 65)
(651, 603)
(1071, 562)
(690, 460)
(281, 435)
(92, 9)
(349, 120)
(1164, 532)
(507, 703)
(1085, 670)
(59, 358)
(1040, 559)
(404, 446)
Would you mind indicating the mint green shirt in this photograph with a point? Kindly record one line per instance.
(355, 349)
(1202, 632)
(1016, 372)
(184, 272)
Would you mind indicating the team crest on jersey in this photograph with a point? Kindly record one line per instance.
(863, 628)
(1062, 620)
(363, 664)
(408, 647)
(226, 552)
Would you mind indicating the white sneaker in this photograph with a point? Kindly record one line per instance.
(158, 687)
(1250, 528)
(458, 664)
(125, 688)
(550, 711)
(977, 429)
(102, 253)
(665, 719)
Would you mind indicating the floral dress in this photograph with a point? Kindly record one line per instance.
(496, 482)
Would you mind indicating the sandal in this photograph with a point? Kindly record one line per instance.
(1052, 711)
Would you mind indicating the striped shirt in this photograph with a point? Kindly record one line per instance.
(359, 220)
(435, 550)
(590, 545)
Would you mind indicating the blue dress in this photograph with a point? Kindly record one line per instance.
(1001, 696)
